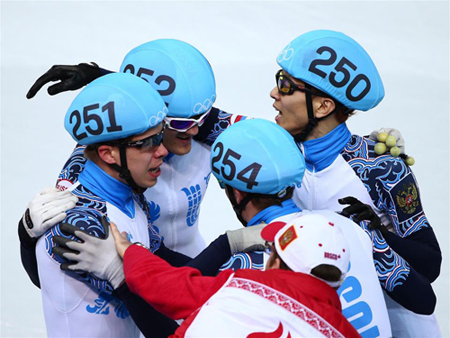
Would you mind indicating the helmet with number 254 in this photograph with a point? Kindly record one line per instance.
(257, 156)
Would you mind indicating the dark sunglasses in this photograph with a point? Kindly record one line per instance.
(149, 143)
(287, 87)
(182, 125)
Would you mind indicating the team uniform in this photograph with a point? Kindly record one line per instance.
(360, 292)
(174, 202)
(84, 306)
(340, 165)
(245, 303)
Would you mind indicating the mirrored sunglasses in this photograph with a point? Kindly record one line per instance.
(182, 125)
(149, 143)
(286, 86)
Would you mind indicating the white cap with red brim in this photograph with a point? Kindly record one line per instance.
(309, 241)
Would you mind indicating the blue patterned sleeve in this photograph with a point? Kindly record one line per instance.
(399, 197)
(72, 168)
(396, 276)
(86, 216)
(215, 124)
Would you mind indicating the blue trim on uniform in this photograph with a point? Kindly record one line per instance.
(321, 152)
(111, 190)
(269, 214)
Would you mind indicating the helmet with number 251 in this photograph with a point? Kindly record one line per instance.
(113, 107)
(257, 156)
(178, 71)
(335, 64)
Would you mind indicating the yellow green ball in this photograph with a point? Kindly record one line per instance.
(410, 160)
(382, 137)
(380, 148)
(391, 141)
(395, 151)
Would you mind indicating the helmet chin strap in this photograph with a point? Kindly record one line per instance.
(312, 120)
(124, 172)
(238, 207)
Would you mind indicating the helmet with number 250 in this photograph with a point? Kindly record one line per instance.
(257, 156)
(335, 64)
(178, 71)
(113, 107)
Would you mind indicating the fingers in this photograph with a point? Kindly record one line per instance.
(70, 230)
(348, 200)
(106, 226)
(71, 267)
(56, 206)
(115, 232)
(354, 209)
(365, 215)
(50, 75)
(62, 86)
(52, 194)
(65, 253)
(60, 240)
(48, 223)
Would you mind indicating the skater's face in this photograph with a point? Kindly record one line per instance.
(291, 108)
(144, 162)
(179, 143)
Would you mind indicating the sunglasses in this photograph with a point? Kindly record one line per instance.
(287, 87)
(268, 247)
(148, 143)
(182, 125)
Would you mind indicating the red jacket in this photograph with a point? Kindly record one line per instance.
(245, 303)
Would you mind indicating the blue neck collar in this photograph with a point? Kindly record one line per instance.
(108, 188)
(269, 214)
(169, 156)
(321, 152)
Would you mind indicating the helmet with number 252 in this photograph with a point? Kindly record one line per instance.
(335, 64)
(178, 71)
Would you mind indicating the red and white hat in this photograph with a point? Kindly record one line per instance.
(309, 241)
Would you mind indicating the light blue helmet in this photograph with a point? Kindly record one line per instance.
(257, 156)
(114, 106)
(335, 64)
(178, 71)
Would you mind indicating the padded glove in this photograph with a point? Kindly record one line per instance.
(246, 239)
(47, 209)
(70, 77)
(93, 255)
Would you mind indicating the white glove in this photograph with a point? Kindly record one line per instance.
(246, 239)
(95, 255)
(400, 142)
(47, 209)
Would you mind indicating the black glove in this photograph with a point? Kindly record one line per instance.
(70, 77)
(361, 212)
